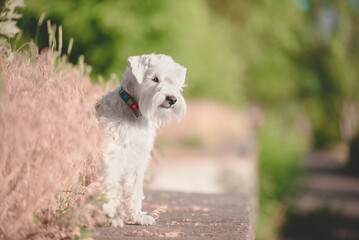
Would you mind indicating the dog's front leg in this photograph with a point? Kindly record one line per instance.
(133, 192)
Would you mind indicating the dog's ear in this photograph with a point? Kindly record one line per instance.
(139, 66)
(182, 73)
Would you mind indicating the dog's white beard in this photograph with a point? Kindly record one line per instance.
(150, 105)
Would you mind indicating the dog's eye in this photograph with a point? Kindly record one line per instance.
(155, 79)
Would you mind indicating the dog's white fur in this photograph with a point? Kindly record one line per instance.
(129, 140)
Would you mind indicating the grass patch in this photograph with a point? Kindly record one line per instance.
(192, 142)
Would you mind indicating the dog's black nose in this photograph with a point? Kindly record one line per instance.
(171, 100)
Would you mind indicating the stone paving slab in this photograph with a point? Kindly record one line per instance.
(191, 216)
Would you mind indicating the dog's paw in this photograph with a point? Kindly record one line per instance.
(144, 219)
(117, 222)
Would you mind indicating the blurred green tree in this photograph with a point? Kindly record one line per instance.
(332, 57)
(299, 57)
(107, 32)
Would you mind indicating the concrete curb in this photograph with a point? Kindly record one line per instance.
(191, 216)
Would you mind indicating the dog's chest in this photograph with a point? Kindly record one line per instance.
(138, 138)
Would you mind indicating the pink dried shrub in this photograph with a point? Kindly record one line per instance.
(49, 143)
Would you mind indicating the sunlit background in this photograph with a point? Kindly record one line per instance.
(272, 91)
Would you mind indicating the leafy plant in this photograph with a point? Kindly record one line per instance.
(281, 147)
(8, 19)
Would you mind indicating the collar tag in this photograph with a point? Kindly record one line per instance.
(130, 102)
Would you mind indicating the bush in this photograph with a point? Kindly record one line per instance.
(48, 144)
(8, 17)
(282, 147)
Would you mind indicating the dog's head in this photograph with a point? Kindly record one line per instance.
(157, 82)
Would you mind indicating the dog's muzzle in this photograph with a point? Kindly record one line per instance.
(171, 100)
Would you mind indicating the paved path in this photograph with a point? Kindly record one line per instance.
(206, 152)
(191, 216)
(328, 207)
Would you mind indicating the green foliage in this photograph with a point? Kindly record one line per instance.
(192, 142)
(332, 56)
(299, 53)
(8, 19)
(107, 32)
(281, 149)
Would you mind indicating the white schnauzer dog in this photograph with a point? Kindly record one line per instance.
(149, 96)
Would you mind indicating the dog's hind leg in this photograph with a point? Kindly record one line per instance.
(113, 189)
(113, 207)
